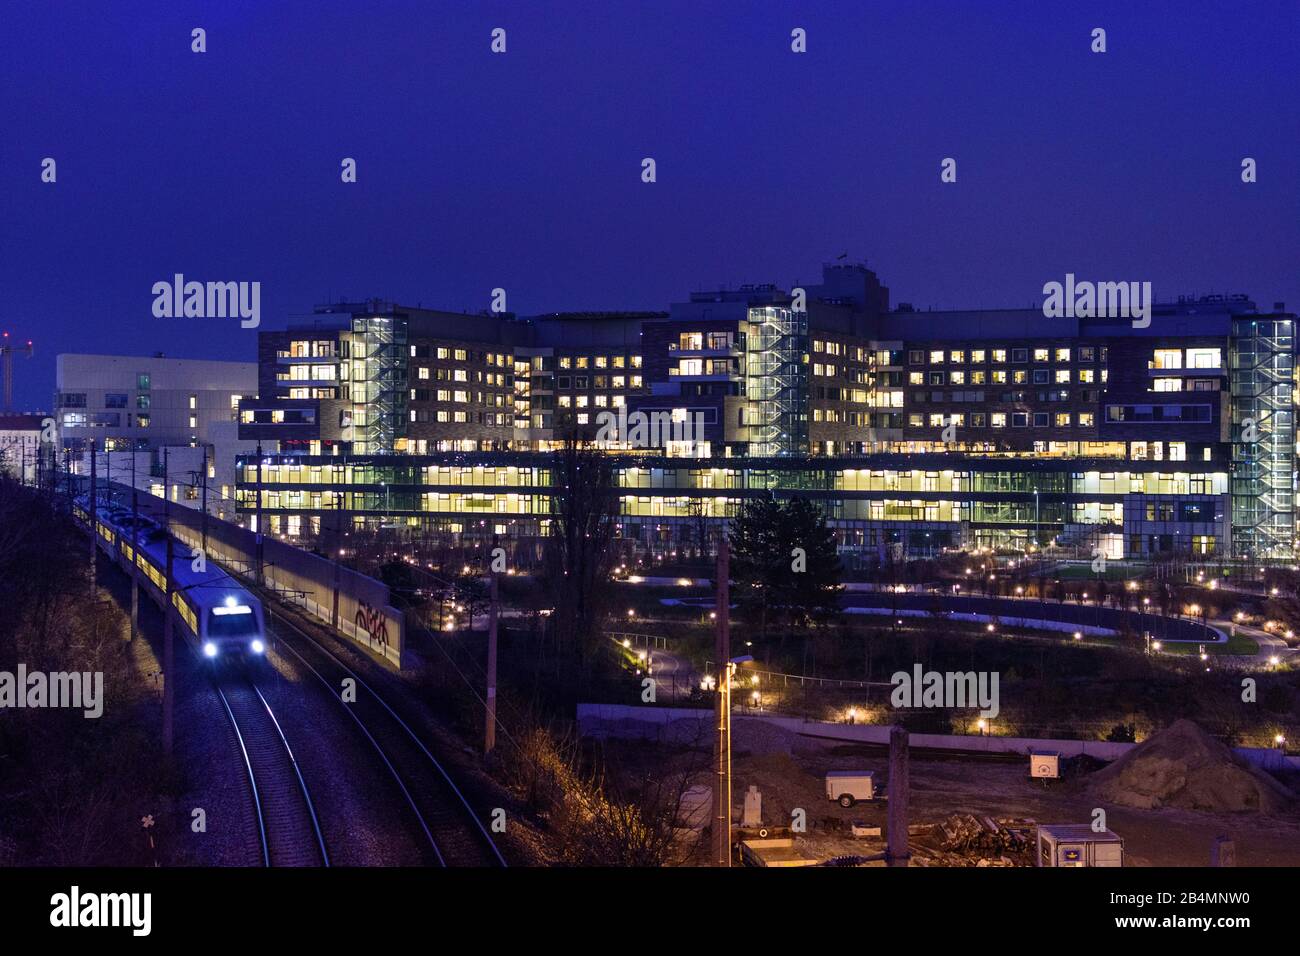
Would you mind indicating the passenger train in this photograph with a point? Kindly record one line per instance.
(221, 619)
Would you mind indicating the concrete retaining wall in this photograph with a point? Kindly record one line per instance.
(308, 580)
(594, 720)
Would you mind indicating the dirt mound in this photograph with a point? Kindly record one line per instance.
(1182, 766)
(760, 737)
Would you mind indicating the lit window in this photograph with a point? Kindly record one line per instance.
(1168, 358)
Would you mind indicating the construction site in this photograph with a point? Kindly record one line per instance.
(1177, 799)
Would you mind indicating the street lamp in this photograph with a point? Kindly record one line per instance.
(1037, 530)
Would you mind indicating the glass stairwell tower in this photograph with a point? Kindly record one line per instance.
(776, 382)
(1262, 481)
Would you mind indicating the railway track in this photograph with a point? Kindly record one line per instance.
(286, 818)
(453, 833)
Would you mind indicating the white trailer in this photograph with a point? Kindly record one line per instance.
(1078, 844)
(847, 787)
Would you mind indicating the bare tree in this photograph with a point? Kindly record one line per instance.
(579, 549)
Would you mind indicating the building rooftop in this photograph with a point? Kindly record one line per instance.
(21, 423)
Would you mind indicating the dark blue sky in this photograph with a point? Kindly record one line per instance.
(523, 170)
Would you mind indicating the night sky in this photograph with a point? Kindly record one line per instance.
(523, 170)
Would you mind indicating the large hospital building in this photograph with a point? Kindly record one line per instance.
(914, 430)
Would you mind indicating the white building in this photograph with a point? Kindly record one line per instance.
(136, 406)
(20, 445)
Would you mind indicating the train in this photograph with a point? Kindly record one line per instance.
(220, 619)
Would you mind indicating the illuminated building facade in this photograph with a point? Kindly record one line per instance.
(914, 430)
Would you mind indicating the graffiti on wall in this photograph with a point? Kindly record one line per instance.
(372, 621)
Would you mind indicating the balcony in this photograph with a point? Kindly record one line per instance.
(705, 351)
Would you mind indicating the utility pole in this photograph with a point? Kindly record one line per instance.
(722, 746)
(135, 545)
(92, 516)
(203, 522)
(169, 683)
(490, 731)
(896, 848)
(258, 538)
(336, 527)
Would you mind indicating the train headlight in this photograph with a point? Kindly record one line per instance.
(257, 646)
(209, 649)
